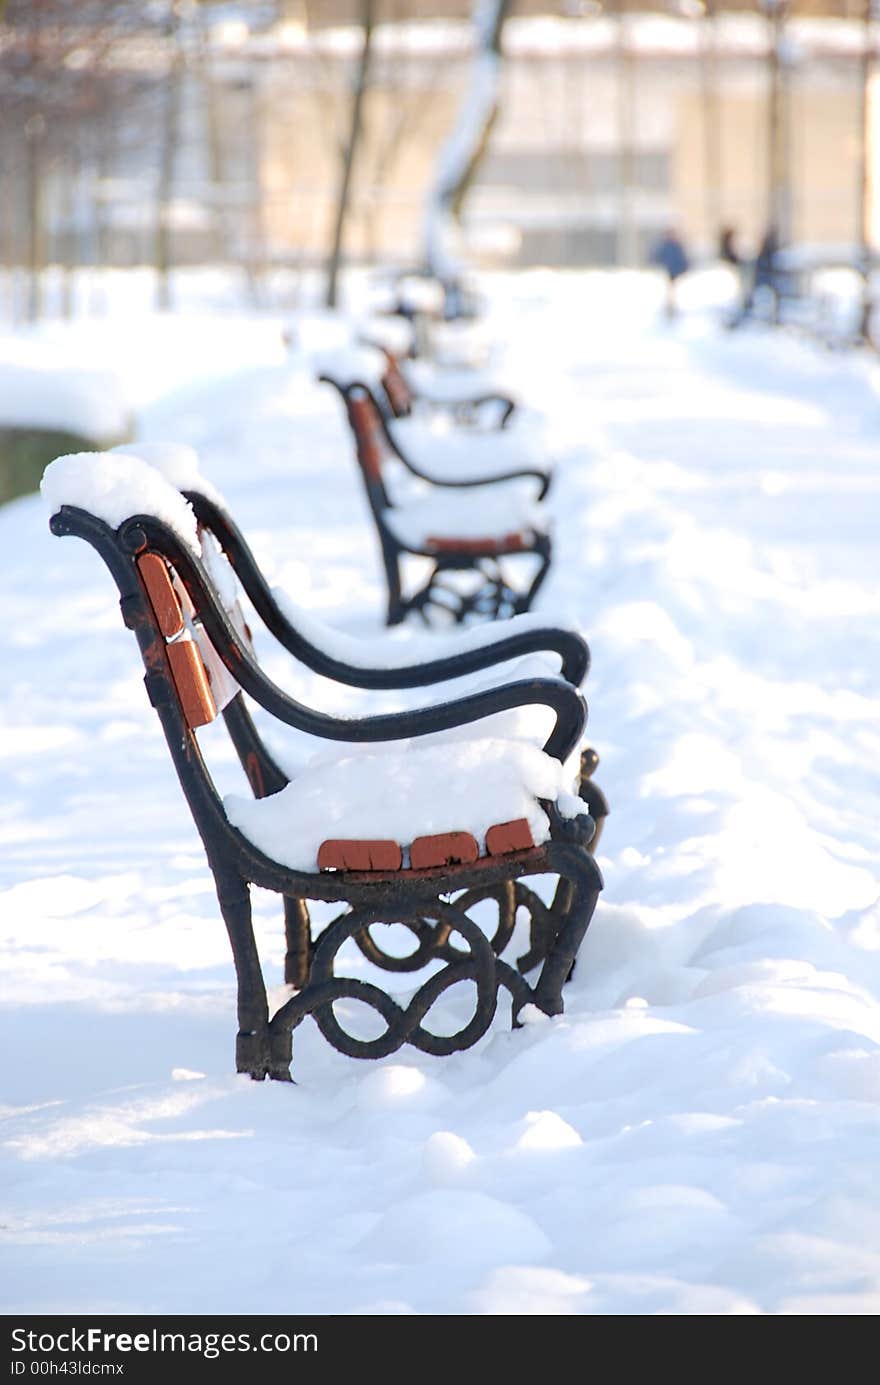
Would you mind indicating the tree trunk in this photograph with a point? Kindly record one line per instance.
(866, 161)
(35, 219)
(68, 242)
(713, 169)
(463, 151)
(165, 185)
(627, 247)
(343, 198)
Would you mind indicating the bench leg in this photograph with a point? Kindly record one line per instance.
(523, 603)
(584, 882)
(298, 937)
(391, 561)
(257, 1052)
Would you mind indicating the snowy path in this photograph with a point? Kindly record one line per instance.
(700, 1132)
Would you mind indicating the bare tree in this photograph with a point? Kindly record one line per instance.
(167, 150)
(60, 84)
(408, 107)
(463, 151)
(343, 197)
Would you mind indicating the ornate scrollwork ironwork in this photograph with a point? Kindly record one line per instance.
(492, 598)
(478, 963)
(434, 938)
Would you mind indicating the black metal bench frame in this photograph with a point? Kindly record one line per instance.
(433, 904)
(403, 399)
(494, 597)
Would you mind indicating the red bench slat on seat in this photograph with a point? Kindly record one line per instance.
(505, 543)
(443, 849)
(339, 854)
(425, 853)
(505, 837)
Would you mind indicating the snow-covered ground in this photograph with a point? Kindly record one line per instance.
(700, 1132)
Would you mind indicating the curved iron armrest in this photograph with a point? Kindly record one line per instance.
(509, 405)
(495, 478)
(524, 473)
(572, 649)
(562, 698)
(451, 405)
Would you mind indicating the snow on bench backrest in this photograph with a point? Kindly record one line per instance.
(179, 464)
(116, 486)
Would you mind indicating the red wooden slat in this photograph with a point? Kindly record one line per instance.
(396, 388)
(191, 681)
(505, 837)
(163, 598)
(443, 849)
(506, 543)
(367, 431)
(342, 854)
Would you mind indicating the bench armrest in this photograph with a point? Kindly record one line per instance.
(470, 408)
(522, 473)
(492, 479)
(560, 697)
(458, 654)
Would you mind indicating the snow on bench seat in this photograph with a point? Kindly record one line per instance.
(403, 792)
(449, 386)
(505, 519)
(450, 454)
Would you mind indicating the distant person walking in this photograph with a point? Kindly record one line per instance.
(764, 275)
(766, 267)
(727, 248)
(729, 254)
(670, 255)
(727, 245)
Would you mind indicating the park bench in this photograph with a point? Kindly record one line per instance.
(442, 315)
(422, 836)
(478, 527)
(819, 295)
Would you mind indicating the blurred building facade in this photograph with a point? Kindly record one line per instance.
(610, 129)
(225, 131)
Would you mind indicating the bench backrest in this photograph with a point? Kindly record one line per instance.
(394, 383)
(204, 684)
(162, 580)
(371, 442)
(186, 662)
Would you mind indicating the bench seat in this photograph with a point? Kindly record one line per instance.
(449, 454)
(503, 520)
(403, 793)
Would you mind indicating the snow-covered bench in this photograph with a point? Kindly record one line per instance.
(436, 449)
(442, 499)
(401, 830)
